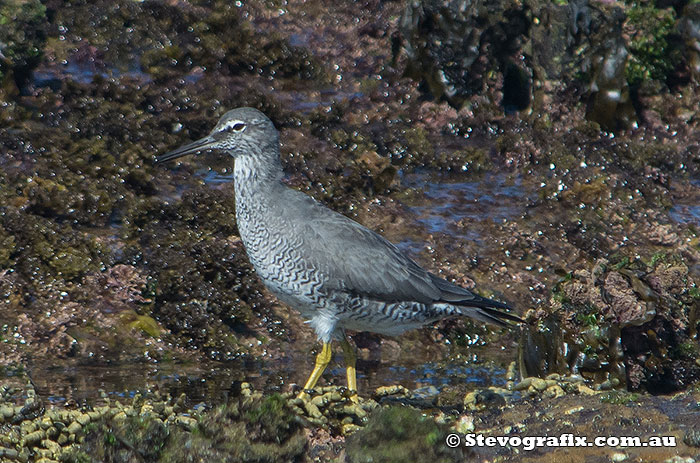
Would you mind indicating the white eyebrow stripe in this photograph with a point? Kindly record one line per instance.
(230, 124)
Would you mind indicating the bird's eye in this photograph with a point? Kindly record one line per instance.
(238, 127)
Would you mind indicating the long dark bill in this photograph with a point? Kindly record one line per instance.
(191, 148)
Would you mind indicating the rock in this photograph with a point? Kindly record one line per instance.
(23, 36)
(482, 399)
(74, 428)
(384, 391)
(445, 42)
(524, 384)
(689, 25)
(538, 384)
(464, 424)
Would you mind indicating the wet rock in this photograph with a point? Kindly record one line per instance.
(22, 40)
(45, 249)
(692, 438)
(654, 45)
(255, 429)
(452, 46)
(398, 434)
(485, 399)
(179, 39)
(333, 407)
(379, 168)
(557, 29)
(622, 316)
(610, 104)
(689, 25)
(626, 306)
(202, 284)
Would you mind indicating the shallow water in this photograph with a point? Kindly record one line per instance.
(449, 204)
(687, 211)
(84, 72)
(210, 383)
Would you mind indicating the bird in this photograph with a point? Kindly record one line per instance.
(337, 273)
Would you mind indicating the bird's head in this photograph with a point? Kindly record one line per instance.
(239, 132)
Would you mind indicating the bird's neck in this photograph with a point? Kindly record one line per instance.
(252, 176)
(255, 186)
(251, 170)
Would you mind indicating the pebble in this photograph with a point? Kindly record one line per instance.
(186, 422)
(8, 453)
(539, 384)
(312, 410)
(692, 438)
(384, 391)
(464, 424)
(74, 427)
(524, 384)
(34, 438)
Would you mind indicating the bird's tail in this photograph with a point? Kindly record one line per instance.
(466, 303)
(487, 311)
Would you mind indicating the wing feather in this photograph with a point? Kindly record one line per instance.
(355, 260)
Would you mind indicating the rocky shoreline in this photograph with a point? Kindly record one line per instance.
(554, 165)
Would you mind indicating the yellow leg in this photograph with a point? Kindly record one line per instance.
(322, 360)
(350, 361)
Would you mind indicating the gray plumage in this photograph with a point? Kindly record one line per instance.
(336, 272)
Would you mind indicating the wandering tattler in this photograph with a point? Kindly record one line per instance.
(337, 273)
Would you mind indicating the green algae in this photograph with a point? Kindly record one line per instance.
(397, 434)
(198, 273)
(418, 144)
(7, 248)
(589, 317)
(22, 37)
(45, 249)
(619, 397)
(144, 436)
(252, 430)
(654, 47)
(141, 322)
(270, 419)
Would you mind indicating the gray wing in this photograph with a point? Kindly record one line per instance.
(359, 261)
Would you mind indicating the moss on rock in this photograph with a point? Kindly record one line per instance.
(258, 430)
(22, 37)
(398, 434)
